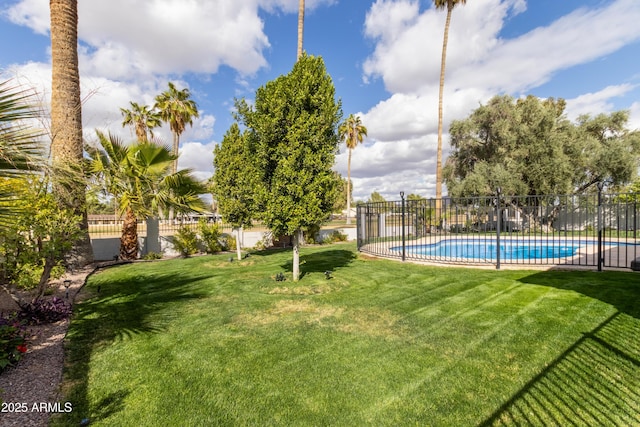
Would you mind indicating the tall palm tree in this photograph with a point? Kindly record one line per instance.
(352, 131)
(177, 109)
(300, 27)
(66, 120)
(138, 177)
(142, 118)
(449, 5)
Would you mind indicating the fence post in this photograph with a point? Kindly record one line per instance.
(403, 234)
(600, 186)
(498, 227)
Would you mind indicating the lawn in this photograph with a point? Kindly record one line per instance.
(205, 341)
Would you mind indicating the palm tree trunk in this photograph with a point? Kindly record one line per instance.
(66, 121)
(174, 166)
(440, 96)
(300, 27)
(349, 188)
(129, 246)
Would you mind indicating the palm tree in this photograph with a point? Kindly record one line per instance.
(66, 120)
(352, 131)
(142, 118)
(300, 27)
(20, 149)
(178, 110)
(449, 5)
(138, 177)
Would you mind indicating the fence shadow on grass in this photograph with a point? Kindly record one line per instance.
(594, 382)
(121, 309)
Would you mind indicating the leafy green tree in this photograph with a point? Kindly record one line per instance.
(376, 198)
(139, 177)
(449, 5)
(142, 118)
(352, 132)
(528, 147)
(235, 181)
(178, 109)
(345, 193)
(293, 127)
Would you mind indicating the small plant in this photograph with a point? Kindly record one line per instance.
(185, 241)
(211, 236)
(12, 341)
(280, 277)
(335, 236)
(152, 255)
(45, 311)
(228, 242)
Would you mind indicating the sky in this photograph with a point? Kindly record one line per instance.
(383, 57)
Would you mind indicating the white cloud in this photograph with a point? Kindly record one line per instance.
(596, 102)
(198, 157)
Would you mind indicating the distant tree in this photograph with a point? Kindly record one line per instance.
(235, 181)
(178, 109)
(66, 121)
(142, 118)
(415, 197)
(449, 5)
(528, 147)
(139, 177)
(352, 132)
(293, 127)
(376, 198)
(341, 201)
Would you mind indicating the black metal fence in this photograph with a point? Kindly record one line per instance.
(591, 230)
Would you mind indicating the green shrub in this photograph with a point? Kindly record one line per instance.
(228, 242)
(335, 236)
(311, 236)
(185, 241)
(152, 256)
(210, 236)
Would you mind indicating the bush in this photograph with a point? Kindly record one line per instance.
(12, 341)
(312, 235)
(228, 242)
(335, 236)
(211, 236)
(45, 311)
(185, 241)
(152, 255)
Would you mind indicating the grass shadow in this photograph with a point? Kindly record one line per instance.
(596, 381)
(619, 289)
(320, 262)
(118, 310)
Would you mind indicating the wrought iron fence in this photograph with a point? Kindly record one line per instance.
(591, 230)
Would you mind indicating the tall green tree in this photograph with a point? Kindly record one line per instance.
(178, 109)
(352, 132)
(139, 177)
(300, 28)
(235, 181)
(528, 147)
(142, 118)
(449, 5)
(293, 127)
(376, 197)
(66, 120)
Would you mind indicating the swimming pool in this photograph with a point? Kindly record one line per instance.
(486, 249)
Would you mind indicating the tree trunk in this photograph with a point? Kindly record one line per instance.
(66, 121)
(349, 188)
(238, 247)
(174, 166)
(129, 246)
(49, 263)
(300, 27)
(440, 118)
(297, 239)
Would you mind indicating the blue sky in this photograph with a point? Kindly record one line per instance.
(384, 58)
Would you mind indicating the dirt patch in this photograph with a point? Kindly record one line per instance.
(370, 322)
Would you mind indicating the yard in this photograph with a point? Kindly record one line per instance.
(210, 341)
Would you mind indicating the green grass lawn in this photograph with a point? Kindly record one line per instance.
(205, 341)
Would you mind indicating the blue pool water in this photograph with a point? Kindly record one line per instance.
(487, 249)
